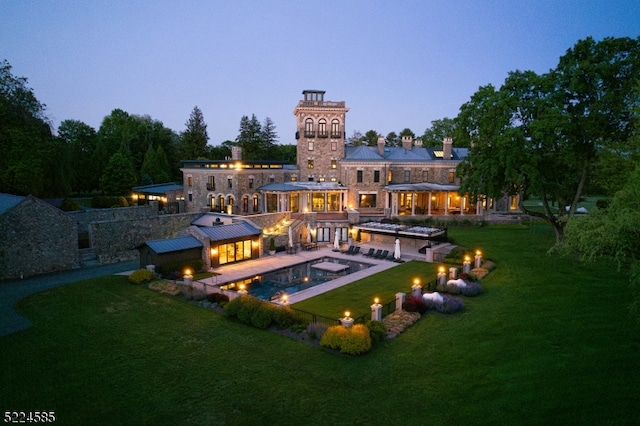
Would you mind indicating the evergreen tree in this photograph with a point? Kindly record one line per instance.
(119, 175)
(193, 141)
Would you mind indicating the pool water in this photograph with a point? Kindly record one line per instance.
(272, 285)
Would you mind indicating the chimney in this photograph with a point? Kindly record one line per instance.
(236, 153)
(381, 145)
(407, 142)
(418, 143)
(446, 148)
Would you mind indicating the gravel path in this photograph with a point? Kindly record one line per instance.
(12, 291)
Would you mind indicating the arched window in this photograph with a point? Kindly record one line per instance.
(308, 128)
(335, 129)
(322, 128)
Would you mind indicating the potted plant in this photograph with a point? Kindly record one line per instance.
(272, 246)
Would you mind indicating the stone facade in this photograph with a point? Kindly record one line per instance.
(320, 137)
(224, 186)
(117, 240)
(37, 238)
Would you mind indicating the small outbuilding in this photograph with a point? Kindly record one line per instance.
(170, 250)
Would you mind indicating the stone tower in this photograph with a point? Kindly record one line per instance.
(320, 136)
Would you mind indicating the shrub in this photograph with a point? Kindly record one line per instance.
(261, 316)
(449, 305)
(353, 341)
(272, 244)
(123, 201)
(252, 311)
(603, 203)
(333, 337)
(357, 340)
(377, 331)
(217, 297)
(472, 289)
(141, 276)
(69, 205)
(283, 316)
(415, 304)
(315, 330)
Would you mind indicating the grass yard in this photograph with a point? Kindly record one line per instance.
(550, 341)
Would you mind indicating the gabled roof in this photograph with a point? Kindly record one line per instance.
(174, 244)
(8, 201)
(230, 232)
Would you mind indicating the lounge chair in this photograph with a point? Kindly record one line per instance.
(377, 254)
(384, 254)
(369, 253)
(348, 251)
(356, 250)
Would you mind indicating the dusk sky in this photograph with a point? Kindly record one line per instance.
(396, 64)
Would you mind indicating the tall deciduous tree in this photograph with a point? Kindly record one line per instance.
(193, 141)
(32, 162)
(81, 140)
(540, 135)
(615, 232)
(439, 130)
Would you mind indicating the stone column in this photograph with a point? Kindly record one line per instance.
(399, 300)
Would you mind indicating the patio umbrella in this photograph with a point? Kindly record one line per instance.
(290, 238)
(308, 233)
(336, 242)
(396, 251)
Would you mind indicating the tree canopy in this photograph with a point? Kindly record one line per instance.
(541, 135)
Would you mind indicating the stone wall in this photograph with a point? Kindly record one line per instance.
(117, 240)
(37, 238)
(85, 217)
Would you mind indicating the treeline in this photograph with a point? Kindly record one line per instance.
(125, 151)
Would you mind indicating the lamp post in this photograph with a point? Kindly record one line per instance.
(466, 265)
(416, 288)
(187, 277)
(442, 276)
(376, 310)
(347, 321)
(478, 259)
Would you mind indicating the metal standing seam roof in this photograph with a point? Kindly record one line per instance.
(8, 201)
(399, 154)
(230, 232)
(161, 188)
(174, 244)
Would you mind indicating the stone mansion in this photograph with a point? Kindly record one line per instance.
(332, 178)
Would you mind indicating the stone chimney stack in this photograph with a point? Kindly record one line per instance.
(446, 148)
(407, 142)
(381, 145)
(418, 143)
(236, 153)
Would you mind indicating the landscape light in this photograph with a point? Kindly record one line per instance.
(347, 314)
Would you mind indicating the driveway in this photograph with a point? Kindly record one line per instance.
(12, 291)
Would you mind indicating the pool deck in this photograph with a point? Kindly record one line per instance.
(233, 272)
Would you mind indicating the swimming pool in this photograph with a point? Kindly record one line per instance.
(292, 279)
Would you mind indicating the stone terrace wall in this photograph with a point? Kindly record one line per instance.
(85, 217)
(115, 241)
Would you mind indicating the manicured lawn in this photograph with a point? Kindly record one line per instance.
(550, 341)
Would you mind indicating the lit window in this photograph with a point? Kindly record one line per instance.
(334, 164)
(310, 164)
(190, 180)
(452, 176)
